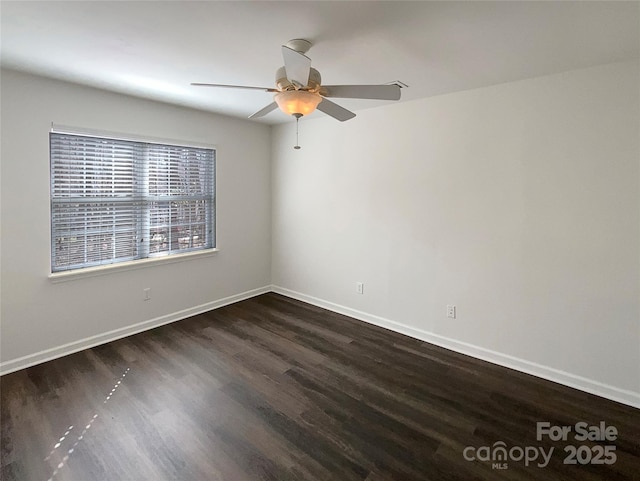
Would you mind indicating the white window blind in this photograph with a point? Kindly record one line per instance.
(119, 200)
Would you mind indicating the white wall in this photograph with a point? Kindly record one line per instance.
(39, 316)
(519, 203)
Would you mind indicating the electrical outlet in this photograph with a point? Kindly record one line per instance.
(146, 294)
(360, 287)
(451, 311)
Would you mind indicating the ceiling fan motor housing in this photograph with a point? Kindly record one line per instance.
(283, 83)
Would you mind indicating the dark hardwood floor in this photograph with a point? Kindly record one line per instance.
(274, 389)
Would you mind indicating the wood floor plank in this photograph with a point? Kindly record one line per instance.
(271, 388)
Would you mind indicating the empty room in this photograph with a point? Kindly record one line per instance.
(319, 240)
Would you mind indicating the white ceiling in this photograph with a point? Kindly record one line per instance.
(154, 49)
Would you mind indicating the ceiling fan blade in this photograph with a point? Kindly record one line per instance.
(335, 111)
(297, 66)
(264, 111)
(376, 92)
(265, 89)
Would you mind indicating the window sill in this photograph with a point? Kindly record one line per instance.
(130, 265)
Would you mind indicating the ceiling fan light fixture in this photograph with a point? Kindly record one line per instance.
(299, 90)
(300, 102)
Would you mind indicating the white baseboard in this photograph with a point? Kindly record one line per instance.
(629, 398)
(60, 351)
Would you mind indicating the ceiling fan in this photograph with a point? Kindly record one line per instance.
(299, 90)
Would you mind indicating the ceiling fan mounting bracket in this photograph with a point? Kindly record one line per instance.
(300, 45)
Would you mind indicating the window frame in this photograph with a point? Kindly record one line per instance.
(150, 259)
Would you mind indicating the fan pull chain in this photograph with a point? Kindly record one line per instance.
(297, 116)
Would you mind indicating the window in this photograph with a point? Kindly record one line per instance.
(119, 200)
